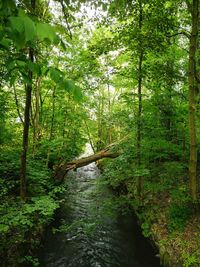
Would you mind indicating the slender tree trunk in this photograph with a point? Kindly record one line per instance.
(183, 143)
(193, 100)
(36, 121)
(98, 145)
(17, 105)
(100, 112)
(169, 108)
(109, 111)
(52, 123)
(28, 88)
(139, 117)
(89, 137)
(109, 107)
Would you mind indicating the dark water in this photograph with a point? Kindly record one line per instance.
(91, 236)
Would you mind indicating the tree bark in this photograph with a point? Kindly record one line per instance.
(28, 88)
(17, 105)
(193, 100)
(52, 122)
(63, 168)
(89, 137)
(139, 118)
(36, 118)
(100, 113)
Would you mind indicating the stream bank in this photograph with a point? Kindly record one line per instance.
(164, 209)
(177, 246)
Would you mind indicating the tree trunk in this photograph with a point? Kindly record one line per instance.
(193, 100)
(28, 88)
(52, 122)
(89, 136)
(36, 120)
(17, 105)
(100, 112)
(139, 122)
(63, 168)
(109, 105)
(25, 132)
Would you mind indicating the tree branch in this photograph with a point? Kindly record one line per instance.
(66, 18)
(179, 33)
(17, 105)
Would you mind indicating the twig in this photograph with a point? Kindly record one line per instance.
(17, 105)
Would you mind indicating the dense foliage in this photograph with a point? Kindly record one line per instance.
(100, 72)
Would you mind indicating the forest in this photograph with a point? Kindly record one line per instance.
(120, 76)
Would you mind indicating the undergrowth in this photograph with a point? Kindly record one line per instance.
(22, 224)
(164, 209)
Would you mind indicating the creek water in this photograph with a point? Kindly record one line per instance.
(91, 233)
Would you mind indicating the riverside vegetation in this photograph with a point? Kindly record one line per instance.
(106, 72)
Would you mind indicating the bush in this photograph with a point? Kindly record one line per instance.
(178, 216)
(21, 226)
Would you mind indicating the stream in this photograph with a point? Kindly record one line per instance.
(91, 233)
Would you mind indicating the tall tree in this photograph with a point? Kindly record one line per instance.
(139, 117)
(28, 88)
(193, 93)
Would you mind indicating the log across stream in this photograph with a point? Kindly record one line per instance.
(62, 169)
(94, 235)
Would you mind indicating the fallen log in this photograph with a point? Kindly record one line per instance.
(63, 168)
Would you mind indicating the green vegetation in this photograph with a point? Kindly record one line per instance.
(127, 75)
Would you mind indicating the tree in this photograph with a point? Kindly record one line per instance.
(28, 89)
(24, 32)
(193, 94)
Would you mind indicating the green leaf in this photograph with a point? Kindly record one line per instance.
(73, 89)
(45, 31)
(21, 13)
(168, 4)
(17, 24)
(20, 63)
(19, 40)
(25, 78)
(44, 70)
(56, 75)
(13, 79)
(23, 29)
(29, 26)
(34, 67)
(30, 29)
(10, 65)
(5, 43)
(77, 93)
(68, 85)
